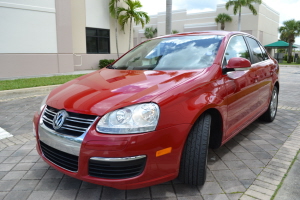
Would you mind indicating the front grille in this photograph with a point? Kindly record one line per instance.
(75, 124)
(60, 158)
(115, 169)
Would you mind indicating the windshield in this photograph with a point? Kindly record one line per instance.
(175, 53)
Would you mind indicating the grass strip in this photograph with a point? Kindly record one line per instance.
(285, 63)
(285, 175)
(35, 82)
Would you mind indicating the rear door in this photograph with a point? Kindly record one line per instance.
(263, 65)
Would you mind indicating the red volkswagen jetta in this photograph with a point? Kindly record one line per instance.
(151, 116)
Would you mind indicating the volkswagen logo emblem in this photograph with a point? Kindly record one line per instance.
(59, 119)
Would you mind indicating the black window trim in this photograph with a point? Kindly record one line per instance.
(251, 53)
(106, 37)
(263, 49)
(243, 35)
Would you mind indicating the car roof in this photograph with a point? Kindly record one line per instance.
(209, 32)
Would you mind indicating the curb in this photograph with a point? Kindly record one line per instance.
(9, 95)
(28, 90)
(266, 183)
(297, 66)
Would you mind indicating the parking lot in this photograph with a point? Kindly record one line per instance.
(250, 165)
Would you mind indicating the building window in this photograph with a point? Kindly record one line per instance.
(97, 40)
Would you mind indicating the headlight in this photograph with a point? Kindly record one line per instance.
(43, 104)
(138, 118)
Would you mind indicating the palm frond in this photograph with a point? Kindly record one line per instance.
(132, 12)
(223, 17)
(230, 3)
(252, 9)
(236, 8)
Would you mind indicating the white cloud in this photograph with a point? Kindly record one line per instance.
(155, 6)
(288, 9)
(195, 4)
(152, 7)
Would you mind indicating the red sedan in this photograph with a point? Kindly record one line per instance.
(152, 115)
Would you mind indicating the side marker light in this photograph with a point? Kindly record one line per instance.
(163, 151)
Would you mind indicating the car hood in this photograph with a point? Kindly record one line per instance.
(108, 89)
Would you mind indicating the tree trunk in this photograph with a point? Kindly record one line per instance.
(290, 49)
(116, 30)
(130, 32)
(168, 16)
(222, 26)
(240, 17)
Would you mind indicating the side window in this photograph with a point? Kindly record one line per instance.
(265, 55)
(256, 51)
(236, 48)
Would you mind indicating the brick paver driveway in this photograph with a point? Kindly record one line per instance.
(234, 170)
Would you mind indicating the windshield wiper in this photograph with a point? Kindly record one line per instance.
(110, 67)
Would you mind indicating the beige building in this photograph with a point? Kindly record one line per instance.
(264, 26)
(53, 36)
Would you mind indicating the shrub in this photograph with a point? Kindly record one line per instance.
(105, 62)
(285, 57)
(298, 61)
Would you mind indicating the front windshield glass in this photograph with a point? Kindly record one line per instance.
(175, 53)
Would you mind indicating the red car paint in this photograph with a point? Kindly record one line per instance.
(182, 96)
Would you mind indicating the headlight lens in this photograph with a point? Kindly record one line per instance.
(138, 118)
(43, 104)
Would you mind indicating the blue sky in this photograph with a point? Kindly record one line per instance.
(288, 9)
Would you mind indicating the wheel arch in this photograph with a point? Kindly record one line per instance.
(216, 132)
(277, 85)
(216, 129)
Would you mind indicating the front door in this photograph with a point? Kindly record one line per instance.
(241, 88)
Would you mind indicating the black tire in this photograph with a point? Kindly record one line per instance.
(270, 114)
(194, 157)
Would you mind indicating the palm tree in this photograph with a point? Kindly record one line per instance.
(113, 6)
(290, 30)
(222, 18)
(150, 32)
(237, 7)
(168, 16)
(132, 13)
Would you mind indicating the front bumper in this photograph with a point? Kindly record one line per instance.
(108, 147)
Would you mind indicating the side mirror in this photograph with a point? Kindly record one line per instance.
(238, 63)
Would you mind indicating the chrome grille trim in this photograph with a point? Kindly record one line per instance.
(49, 112)
(81, 119)
(121, 159)
(73, 125)
(47, 119)
(67, 143)
(72, 120)
(71, 129)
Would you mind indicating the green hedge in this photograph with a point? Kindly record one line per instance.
(286, 56)
(105, 62)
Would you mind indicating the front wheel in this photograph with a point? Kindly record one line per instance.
(270, 114)
(194, 157)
